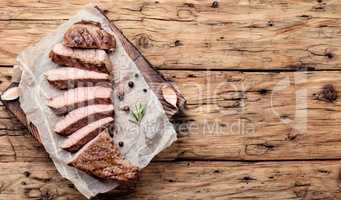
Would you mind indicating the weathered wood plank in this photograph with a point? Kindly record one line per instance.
(233, 116)
(5, 77)
(237, 35)
(21, 148)
(187, 180)
(258, 116)
(177, 10)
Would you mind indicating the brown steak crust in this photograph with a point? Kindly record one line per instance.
(89, 34)
(101, 158)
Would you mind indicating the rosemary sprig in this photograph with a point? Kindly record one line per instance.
(138, 113)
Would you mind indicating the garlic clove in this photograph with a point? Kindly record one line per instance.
(169, 95)
(10, 94)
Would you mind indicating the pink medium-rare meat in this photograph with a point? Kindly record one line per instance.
(101, 158)
(90, 35)
(80, 97)
(69, 77)
(80, 117)
(82, 136)
(89, 59)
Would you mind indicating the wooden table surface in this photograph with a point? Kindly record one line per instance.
(260, 122)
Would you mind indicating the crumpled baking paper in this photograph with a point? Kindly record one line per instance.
(141, 141)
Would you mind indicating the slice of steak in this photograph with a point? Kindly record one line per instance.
(81, 117)
(102, 158)
(90, 35)
(68, 77)
(80, 97)
(90, 59)
(82, 136)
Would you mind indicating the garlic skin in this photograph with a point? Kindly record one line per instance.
(11, 94)
(169, 95)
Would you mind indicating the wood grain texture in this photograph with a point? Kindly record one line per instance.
(187, 180)
(239, 34)
(242, 116)
(191, 35)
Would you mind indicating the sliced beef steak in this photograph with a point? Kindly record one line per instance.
(68, 77)
(81, 117)
(89, 34)
(90, 59)
(80, 97)
(82, 136)
(101, 158)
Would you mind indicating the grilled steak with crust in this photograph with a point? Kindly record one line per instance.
(82, 136)
(80, 97)
(81, 117)
(90, 35)
(89, 59)
(101, 158)
(69, 77)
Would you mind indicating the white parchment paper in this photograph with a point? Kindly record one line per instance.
(141, 141)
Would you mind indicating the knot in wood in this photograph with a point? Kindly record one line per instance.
(144, 41)
(327, 94)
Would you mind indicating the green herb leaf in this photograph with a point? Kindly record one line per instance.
(139, 112)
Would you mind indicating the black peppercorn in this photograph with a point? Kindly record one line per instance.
(120, 144)
(131, 84)
(145, 90)
(126, 108)
(120, 97)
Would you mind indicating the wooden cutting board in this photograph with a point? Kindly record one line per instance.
(154, 79)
